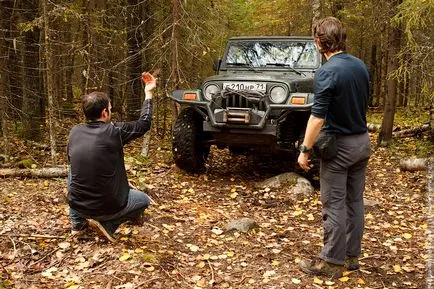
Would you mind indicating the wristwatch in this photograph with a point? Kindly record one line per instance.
(302, 148)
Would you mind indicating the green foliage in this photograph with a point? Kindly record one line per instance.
(412, 148)
(6, 284)
(404, 117)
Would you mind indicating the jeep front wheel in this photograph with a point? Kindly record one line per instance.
(189, 151)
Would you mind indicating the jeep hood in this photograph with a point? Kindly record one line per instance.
(295, 82)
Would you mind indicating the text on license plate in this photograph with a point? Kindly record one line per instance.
(258, 86)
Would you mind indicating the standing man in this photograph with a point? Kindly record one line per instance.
(99, 194)
(341, 88)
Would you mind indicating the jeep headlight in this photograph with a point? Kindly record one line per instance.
(211, 90)
(278, 94)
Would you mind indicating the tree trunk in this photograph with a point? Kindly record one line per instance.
(174, 67)
(3, 82)
(33, 105)
(384, 69)
(373, 68)
(53, 172)
(431, 120)
(14, 57)
(385, 135)
(86, 46)
(316, 13)
(49, 83)
(134, 42)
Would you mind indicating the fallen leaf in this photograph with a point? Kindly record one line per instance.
(297, 213)
(397, 268)
(344, 279)
(125, 257)
(64, 245)
(296, 281)
(407, 236)
(318, 281)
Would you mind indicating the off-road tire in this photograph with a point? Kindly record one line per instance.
(188, 150)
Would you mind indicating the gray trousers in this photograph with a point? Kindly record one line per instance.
(342, 182)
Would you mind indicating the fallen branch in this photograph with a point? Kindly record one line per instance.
(397, 132)
(53, 172)
(411, 131)
(413, 165)
(32, 236)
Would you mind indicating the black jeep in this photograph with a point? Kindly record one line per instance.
(259, 101)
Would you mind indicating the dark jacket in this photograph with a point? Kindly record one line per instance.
(99, 183)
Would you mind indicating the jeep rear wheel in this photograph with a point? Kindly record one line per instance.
(189, 151)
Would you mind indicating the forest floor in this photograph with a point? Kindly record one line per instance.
(181, 246)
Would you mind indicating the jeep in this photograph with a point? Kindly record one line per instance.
(259, 101)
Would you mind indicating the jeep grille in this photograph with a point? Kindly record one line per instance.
(242, 99)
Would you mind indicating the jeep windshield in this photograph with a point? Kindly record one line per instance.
(276, 54)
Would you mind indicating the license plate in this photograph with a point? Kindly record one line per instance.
(258, 86)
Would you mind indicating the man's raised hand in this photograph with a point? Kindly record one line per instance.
(150, 84)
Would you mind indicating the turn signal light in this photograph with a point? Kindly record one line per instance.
(190, 96)
(298, 100)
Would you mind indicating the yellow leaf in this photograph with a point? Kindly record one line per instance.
(329, 283)
(344, 279)
(346, 273)
(206, 256)
(275, 263)
(46, 184)
(297, 213)
(318, 281)
(201, 264)
(407, 236)
(234, 195)
(424, 226)
(230, 254)
(397, 268)
(310, 217)
(296, 281)
(361, 282)
(125, 257)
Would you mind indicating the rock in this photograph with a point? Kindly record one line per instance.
(286, 179)
(299, 187)
(243, 225)
(302, 188)
(371, 203)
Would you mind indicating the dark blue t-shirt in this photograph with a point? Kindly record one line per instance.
(341, 88)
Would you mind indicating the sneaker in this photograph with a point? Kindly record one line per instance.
(320, 267)
(99, 228)
(352, 263)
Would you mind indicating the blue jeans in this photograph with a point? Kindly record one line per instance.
(137, 202)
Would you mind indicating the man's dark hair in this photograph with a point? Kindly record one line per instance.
(94, 103)
(331, 34)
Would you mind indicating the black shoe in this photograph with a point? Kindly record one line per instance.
(101, 230)
(79, 229)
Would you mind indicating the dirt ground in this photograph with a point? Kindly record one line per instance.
(181, 244)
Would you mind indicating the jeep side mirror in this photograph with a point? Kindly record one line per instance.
(216, 64)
